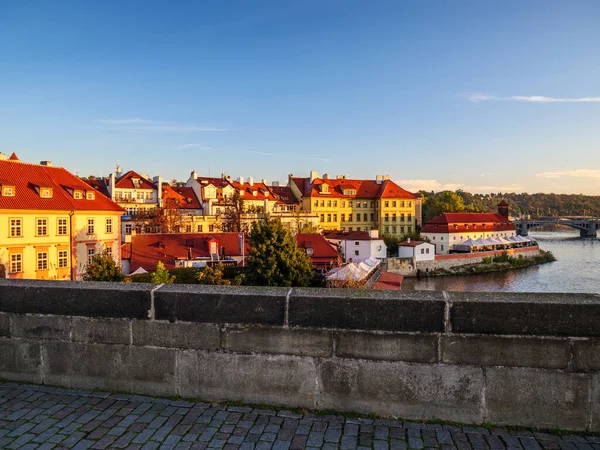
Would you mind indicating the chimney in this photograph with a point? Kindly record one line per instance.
(341, 177)
(157, 180)
(408, 240)
(374, 234)
(325, 176)
(276, 183)
(2, 156)
(111, 186)
(386, 178)
(264, 181)
(378, 179)
(194, 175)
(251, 181)
(240, 180)
(313, 175)
(45, 163)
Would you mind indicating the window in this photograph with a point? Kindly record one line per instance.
(364, 204)
(365, 217)
(356, 253)
(356, 243)
(335, 217)
(41, 227)
(441, 248)
(316, 202)
(402, 230)
(46, 193)
(140, 196)
(410, 217)
(394, 204)
(309, 251)
(199, 228)
(16, 263)
(211, 228)
(372, 217)
(322, 203)
(372, 203)
(402, 217)
(349, 228)
(343, 204)
(393, 230)
(387, 217)
(16, 227)
(409, 204)
(335, 204)
(358, 217)
(8, 191)
(90, 254)
(428, 249)
(386, 204)
(423, 251)
(108, 225)
(90, 226)
(63, 259)
(148, 195)
(77, 195)
(402, 204)
(188, 228)
(328, 217)
(108, 251)
(349, 217)
(42, 261)
(343, 217)
(329, 203)
(349, 204)
(393, 217)
(410, 229)
(128, 228)
(387, 229)
(322, 217)
(61, 226)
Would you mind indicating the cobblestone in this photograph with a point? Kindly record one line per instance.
(45, 418)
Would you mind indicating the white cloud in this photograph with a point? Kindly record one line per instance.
(578, 173)
(157, 126)
(437, 186)
(478, 97)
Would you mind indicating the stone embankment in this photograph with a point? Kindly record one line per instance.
(409, 267)
(501, 358)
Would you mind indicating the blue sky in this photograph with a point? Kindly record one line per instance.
(479, 95)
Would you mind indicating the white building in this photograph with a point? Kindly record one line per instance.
(449, 229)
(419, 250)
(357, 245)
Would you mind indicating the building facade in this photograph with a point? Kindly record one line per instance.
(52, 223)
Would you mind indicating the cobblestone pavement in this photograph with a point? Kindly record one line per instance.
(44, 418)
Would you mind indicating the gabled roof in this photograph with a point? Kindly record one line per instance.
(148, 249)
(338, 188)
(412, 243)
(184, 197)
(100, 184)
(218, 183)
(26, 177)
(256, 191)
(322, 251)
(283, 194)
(468, 223)
(13, 157)
(125, 181)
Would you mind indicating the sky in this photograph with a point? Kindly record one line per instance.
(484, 96)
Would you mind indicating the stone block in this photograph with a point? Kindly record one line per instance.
(4, 325)
(257, 379)
(101, 331)
(595, 406)
(92, 299)
(412, 391)
(586, 354)
(536, 398)
(143, 370)
(33, 326)
(277, 340)
(191, 335)
(388, 346)
(485, 350)
(367, 309)
(220, 304)
(20, 360)
(541, 314)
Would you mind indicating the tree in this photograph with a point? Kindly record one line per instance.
(167, 218)
(161, 275)
(276, 260)
(231, 218)
(103, 267)
(215, 275)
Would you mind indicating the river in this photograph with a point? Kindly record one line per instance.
(577, 269)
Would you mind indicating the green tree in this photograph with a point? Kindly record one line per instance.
(276, 260)
(103, 267)
(215, 275)
(161, 275)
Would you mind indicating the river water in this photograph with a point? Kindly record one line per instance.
(577, 269)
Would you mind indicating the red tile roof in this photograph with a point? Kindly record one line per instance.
(283, 194)
(148, 249)
(389, 282)
(184, 197)
(411, 243)
(100, 184)
(13, 157)
(218, 183)
(468, 222)
(258, 191)
(347, 235)
(28, 178)
(323, 252)
(125, 181)
(363, 188)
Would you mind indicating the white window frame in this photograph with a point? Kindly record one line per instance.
(63, 259)
(16, 262)
(41, 260)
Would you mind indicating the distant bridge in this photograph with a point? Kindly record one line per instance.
(587, 226)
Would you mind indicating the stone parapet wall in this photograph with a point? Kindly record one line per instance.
(408, 267)
(502, 358)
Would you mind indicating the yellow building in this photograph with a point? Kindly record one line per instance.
(51, 222)
(357, 205)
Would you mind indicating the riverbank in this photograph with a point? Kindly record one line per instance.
(500, 263)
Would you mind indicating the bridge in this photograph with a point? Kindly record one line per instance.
(587, 226)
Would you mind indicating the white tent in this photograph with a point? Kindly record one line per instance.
(489, 241)
(140, 270)
(479, 242)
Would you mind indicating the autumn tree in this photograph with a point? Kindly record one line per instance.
(103, 267)
(167, 218)
(231, 217)
(276, 260)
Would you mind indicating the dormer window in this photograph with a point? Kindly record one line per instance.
(136, 182)
(309, 251)
(324, 188)
(8, 191)
(77, 195)
(89, 196)
(46, 193)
